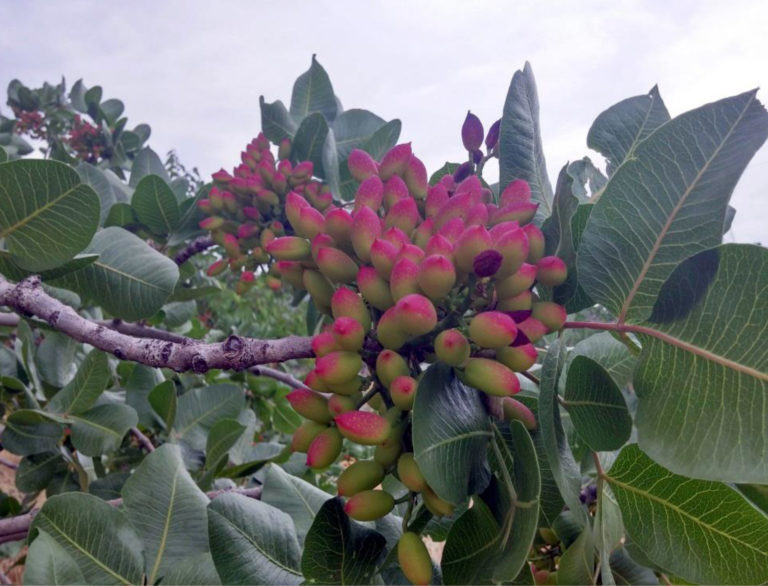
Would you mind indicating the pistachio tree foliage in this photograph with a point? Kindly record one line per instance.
(565, 385)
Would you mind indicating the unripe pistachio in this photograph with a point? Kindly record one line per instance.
(324, 343)
(477, 215)
(452, 229)
(472, 132)
(363, 427)
(289, 248)
(473, 241)
(535, 243)
(515, 410)
(369, 505)
(518, 358)
(310, 405)
(513, 246)
(416, 178)
(336, 265)
(437, 506)
(338, 223)
(396, 236)
(491, 377)
(551, 271)
(520, 302)
(232, 245)
(550, 314)
(361, 165)
(415, 314)
(532, 329)
(304, 434)
(251, 213)
(366, 227)
(221, 176)
(410, 251)
(247, 231)
(414, 560)
(519, 211)
(388, 331)
(303, 170)
(314, 382)
(492, 138)
(520, 281)
(284, 150)
(517, 191)
(436, 276)
(310, 223)
(389, 366)
(452, 347)
(322, 240)
(324, 449)
(369, 194)
(403, 391)
(383, 255)
(492, 329)
(216, 268)
(294, 203)
(439, 244)
(347, 388)
(212, 223)
(403, 280)
(338, 367)
(346, 303)
(348, 333)
(423, 232)
(437, 197)
(457, 206)
(375, 290)
(409, 473)
(360, 476)
(404, 214)
(205, 206)
(386, 455)
(395, 189)
(541, 577)
(395, 161)
(339, 404)
(319, 288)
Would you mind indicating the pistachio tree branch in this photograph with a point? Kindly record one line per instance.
(235, 353)
(198, 245)
(279, 375)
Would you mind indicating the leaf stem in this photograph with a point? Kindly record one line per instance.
(530, 377)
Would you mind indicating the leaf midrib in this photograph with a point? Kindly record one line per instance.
(166, 527)
(456, 438)
(25, 220)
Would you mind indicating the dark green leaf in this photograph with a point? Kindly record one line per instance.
(521, 155)
(95, 178)
(77, 96)
(598, 411)
(309, 141)
(611, 354)
(276, 122)
(472, 542)
(3, 155)
(667, 203)
(36, 470)
(383, 139)
(313, 92)
(756, 493)
(584, 173)
(101, 429)
(222, 436)
(138, 386)
(577, 566)
(147, 163)
(340, 551)
(198, 410)
(155, 205)
(252, 542)
(47, 215)
(196, 570)
(49, 563)
(627, 571)
(451, 431)
(163, 401)
(726, 538)
(30, 432)
(109, 486)
(120, 214)
(55, 359)
(253, 459)
(112, 109)
(82, 391)
(353, 128)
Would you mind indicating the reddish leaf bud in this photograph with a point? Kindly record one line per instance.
(517, 191)
(409, 473)
(403, 391)
(414, 560)
(514, 410)
(338, 223)
(492, 138)
(452, 347)
(304, 434)
(492, 329)
(403, 280)
(472, 132)
(366, 227)
(216, 268)
(363, 427)
(370, 194)
(532, 329)
(388, 331)
(348, 333)
(289, 248)
(324, 449)
(551, 271)
(437, 197)
(535, 243)
(403, 214)
(416, 178)
(310, 405)
(473, 241)
(374, 289)
(390, 365)
(515, 284)
(550, 314)
(369, 505)
(437, 276)
(336, 265)
(464, 170)
(395, 161)
(383, 255)
(491, 377)
(361, 165)
(518, 358)
(395, 189)
(360, 476)
(486, 264)
(347, 303)
(338, 367)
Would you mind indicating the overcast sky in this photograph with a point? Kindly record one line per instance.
(195, 70)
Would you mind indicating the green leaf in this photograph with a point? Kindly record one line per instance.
(130, 279)
(112, 109)
(3, 155)
(667, 203)
(471, 543)
(167, 509)
(95, 178)
(139, 384)
(597, 408)
(446, 169)
(577, 566)
(294, 496)
(155, 205)
(77, 96)
(252, 542)
(451, 431)
(383, 139)
(309, 141)
(101, 429)
(120, 214)
(276, 122)
(108, 487)
(584, 173)
(701, 382)
(147, 163)
(609, 530)
(199, 409)
(194, 570)
(31, 432)
(725, 539)
(55, 358)
(47, 215)
(93, 97)
(222, 436)
(163, 401)
(627, 571)
(36, 470)
(756, 493)
(82, 391)
(353, 128)
(97, 536)
(558, 453)
(340, 551)
(313, 92)
(611, 354)
(521, 155)
(617, 131)
(254, 459)
(49, 563)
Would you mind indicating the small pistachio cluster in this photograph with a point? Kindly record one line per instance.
(246, 209)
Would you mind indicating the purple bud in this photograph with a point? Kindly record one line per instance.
(464, 171)
(487, 263)
(492, 138)
(477, 156)
(472, 132)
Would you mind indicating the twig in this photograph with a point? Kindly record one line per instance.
(531, 377)
(142, 440)
(8, 464)
(198, 245)
(235, 353)
(17, 528)
(142, 331)
(9, 319)
(279, 375)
